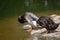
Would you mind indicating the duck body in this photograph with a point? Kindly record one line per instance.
(47, 23)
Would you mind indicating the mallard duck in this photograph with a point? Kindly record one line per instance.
(47, 23)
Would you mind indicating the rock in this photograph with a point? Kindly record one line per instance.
(51, 36)
(55, 35)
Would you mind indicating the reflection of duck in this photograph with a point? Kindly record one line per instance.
(47, 23)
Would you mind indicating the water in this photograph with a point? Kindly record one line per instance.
(11, 29)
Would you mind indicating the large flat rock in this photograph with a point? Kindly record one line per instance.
(54, 35)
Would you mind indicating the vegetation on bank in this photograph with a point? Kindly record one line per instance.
(9, 8)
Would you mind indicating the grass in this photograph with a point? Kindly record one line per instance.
(11, 29)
